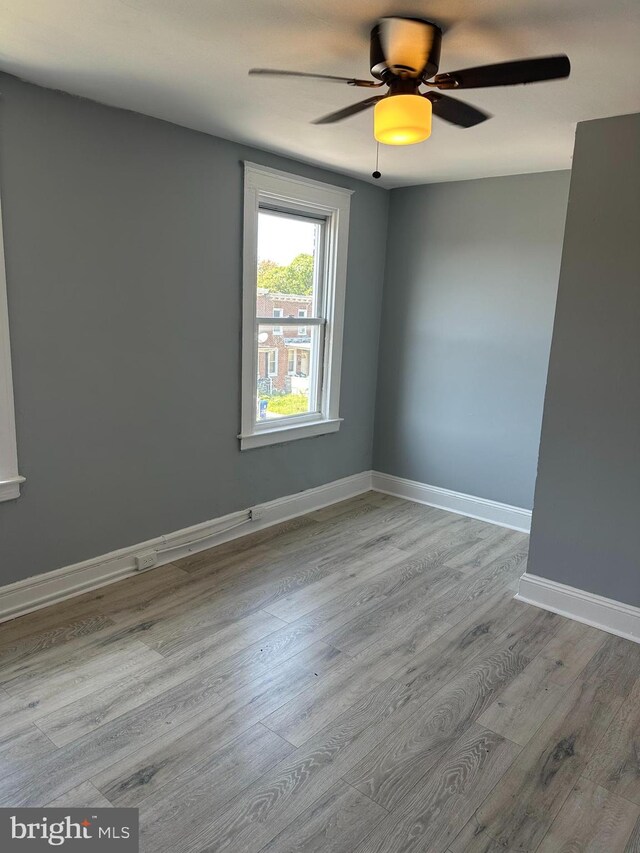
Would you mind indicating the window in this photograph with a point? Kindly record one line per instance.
(267, 362)
(294, 266)
(9, 478)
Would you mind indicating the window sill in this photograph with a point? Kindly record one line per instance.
(282, 434)
(10, 489)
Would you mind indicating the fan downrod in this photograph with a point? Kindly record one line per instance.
(404, 48)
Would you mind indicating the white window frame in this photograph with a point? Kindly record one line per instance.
(9, 478)
(292, 351)
(273, 352)
(295, 194)
(302, 330)
(277, 330)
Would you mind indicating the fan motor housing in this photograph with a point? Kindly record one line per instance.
(405, 47)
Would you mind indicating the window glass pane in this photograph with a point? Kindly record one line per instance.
(289, 265)
(288, 372)
(277, 312)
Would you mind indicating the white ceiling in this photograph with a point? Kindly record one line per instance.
(186, 61)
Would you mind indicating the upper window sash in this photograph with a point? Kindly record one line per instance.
(290, 194)
(319, 268)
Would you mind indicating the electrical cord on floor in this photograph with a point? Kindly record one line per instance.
(202, 538)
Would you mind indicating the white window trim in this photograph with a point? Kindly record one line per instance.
(273, 372)
(311, 197)
(302, 313)
(9, 478)
(277, 330)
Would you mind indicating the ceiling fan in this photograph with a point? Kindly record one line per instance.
(405, 55)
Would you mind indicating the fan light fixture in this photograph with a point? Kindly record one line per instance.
(404, 56)
(402, 119)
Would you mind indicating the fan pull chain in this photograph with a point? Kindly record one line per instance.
(377, 174)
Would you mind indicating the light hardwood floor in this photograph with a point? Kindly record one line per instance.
(359, 680)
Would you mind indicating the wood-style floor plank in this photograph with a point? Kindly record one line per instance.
(358, 679)
(19, 643)
(250, 581)
(82, 796)
(522, 806)
(275, 800)
(592, 820)
(93, 710)
(141, 772)
(615, 764)
(615, 666)
(311, 711)
(431, 815)
(335, 823)
(365, 565)
(161, 718)
(22, 746)
(280, 796)
(571, 650)
(633, 844)
(60, 683)
(351, 506)
(395, 610)
(488, 548)
(168, 822)
(83, 614)
(432, 524)
(448, 656)
(391, 770)
(271, 536)
(524, 705)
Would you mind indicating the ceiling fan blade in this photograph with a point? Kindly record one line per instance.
(350, 81)
(505, 73)
(455, 111)
(349, 111)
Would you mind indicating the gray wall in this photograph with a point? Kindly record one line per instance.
(586, 525)
(472, 273)
(123, 246)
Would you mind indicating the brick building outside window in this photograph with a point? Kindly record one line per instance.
(284, 352)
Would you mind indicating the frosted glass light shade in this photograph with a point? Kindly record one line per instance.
(402, 120)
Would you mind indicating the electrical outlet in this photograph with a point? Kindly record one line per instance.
(256, 513)
(146, 561)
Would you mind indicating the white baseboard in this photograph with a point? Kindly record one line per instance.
(503, 515)
(604, 613)
(41, 590)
